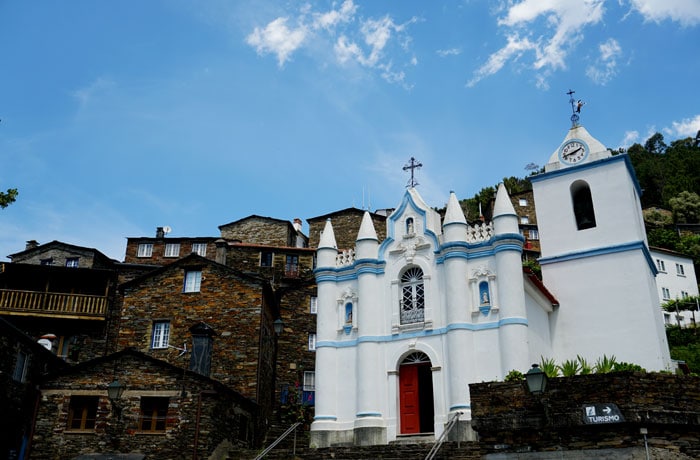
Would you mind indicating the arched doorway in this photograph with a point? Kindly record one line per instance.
(416, 409)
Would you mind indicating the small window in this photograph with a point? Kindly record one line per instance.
(667, 318)
(154, 412)
(524, 220)
(73, 262)
(680, 271)
(161, 334)
(661, 265)
(48, 261)
(313, 305)
(145, 250)
(172, 249)
(309, 381)
(312, 341)
(522, 202)
(582, 200)
(193, 280)
(684, 294)
(266, 259)
(21, 367)
(200, 249)
(534, 234)
(82, 413)
(665, 293)
(291, 267)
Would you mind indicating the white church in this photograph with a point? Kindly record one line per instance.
(406, 324)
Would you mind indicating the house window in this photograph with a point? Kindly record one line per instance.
(200, 249)
(48, 261)
(680, 271)
(524, 220)
(172, 249)
(312, 341)
(313, 305)
(412, 296)
(73, 262)
(665, 293)
(291, 267)
(667, 318)
(661, 265)
(684, 294)
(161, 334)
(583, 205)
(522, 202)
(145, 250)
(533, 234)
(266, 259)
(193, 280)
(82, 412)
(21, 366)
(154, 411)
(309, 381)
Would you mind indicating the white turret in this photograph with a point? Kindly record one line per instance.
(327, 247)
(505, 220)
(455, 224)
(367, 242)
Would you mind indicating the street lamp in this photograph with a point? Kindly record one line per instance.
(536, 380)
(278, 325)
(115, 390)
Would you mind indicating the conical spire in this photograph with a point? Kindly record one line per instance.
(505, 220)
(367, 231)
(455, 224)
(327, 239)
(367, 244)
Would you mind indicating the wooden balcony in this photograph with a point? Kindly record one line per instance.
(54, 304)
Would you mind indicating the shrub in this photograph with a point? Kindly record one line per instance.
(549, 367)
(570, 367)
(514, 376)
(605, 364)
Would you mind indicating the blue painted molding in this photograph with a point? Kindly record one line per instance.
(594, 164)
(424, 333)
(368, 414)
(633, 246)
(332, 418)
(397, 215)
(460, 406)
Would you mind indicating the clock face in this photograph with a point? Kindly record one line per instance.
(574, 151)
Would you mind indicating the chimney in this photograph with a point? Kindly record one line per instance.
(160, 233)
(31, 244)
(297, 224)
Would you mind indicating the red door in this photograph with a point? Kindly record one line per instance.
(408, 399)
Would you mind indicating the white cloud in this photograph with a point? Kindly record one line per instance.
(85, 95)
(630, 138)
(449, 52)
(686, 12)
(605, 67)
(332, 18)
(564, 22)
(277, 38)
(688, 127)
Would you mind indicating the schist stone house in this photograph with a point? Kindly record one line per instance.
(405, 323)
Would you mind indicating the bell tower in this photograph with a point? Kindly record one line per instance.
(595, 257)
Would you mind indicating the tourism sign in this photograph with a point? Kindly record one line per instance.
(598, 414)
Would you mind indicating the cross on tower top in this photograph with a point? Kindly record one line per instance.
(412, 165)
(575, 108)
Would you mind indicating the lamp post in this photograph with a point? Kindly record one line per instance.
(536, 380)
(278, 326)
(115, 390)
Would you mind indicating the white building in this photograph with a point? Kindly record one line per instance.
(675, 281)
(404, 325)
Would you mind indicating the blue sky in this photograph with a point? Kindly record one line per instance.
(118, 117)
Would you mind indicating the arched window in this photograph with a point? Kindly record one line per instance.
(583, 205)
(412, 296)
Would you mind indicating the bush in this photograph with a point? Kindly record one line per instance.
(514, 376)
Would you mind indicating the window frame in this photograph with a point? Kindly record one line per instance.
(264, 256)
(72, 262)
(660, 266)
(144, 250)
(680, 270)
(309, 381)
(313, 305)
(665, 293)
(312, 341)
(172, 250)
(522, 201)
(200, 249)
(160, 334)
(153, 410)
(193, 281)
(524, 220)
(86, 406)
(412, 290)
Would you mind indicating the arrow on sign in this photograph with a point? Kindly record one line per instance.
(607, 410)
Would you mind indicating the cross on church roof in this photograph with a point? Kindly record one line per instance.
(412, 165)
(575, 108)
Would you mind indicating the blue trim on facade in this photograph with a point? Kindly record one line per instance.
(594, 164)
(425, 333)
(397, 215)
(460, 406)
(368, 414)
(634, 246)
(332, 418)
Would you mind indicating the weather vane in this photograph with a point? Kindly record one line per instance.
(412, 165)
(575, 108)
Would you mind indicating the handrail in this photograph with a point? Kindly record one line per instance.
(450, 424)
(277, 441)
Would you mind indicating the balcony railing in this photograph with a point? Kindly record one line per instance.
(52, 304)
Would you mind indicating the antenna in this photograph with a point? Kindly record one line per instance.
(167, 229)
(183, 350)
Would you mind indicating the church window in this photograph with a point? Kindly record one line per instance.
(412, 296)
(583, 205)
(680, 271)
(82, 412)
(172, 249)
(154, 411)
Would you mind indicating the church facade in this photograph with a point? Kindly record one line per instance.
(405, 324)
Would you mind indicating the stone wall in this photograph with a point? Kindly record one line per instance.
(510, 419)
(346, 225)
(158, 257)
(260, 230)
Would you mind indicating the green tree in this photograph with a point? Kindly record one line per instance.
(685, 207)
(7, 198)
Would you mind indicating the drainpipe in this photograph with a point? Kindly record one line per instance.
(196, 426)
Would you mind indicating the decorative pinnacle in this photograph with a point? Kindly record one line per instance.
(576, 106)
(412, 165)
